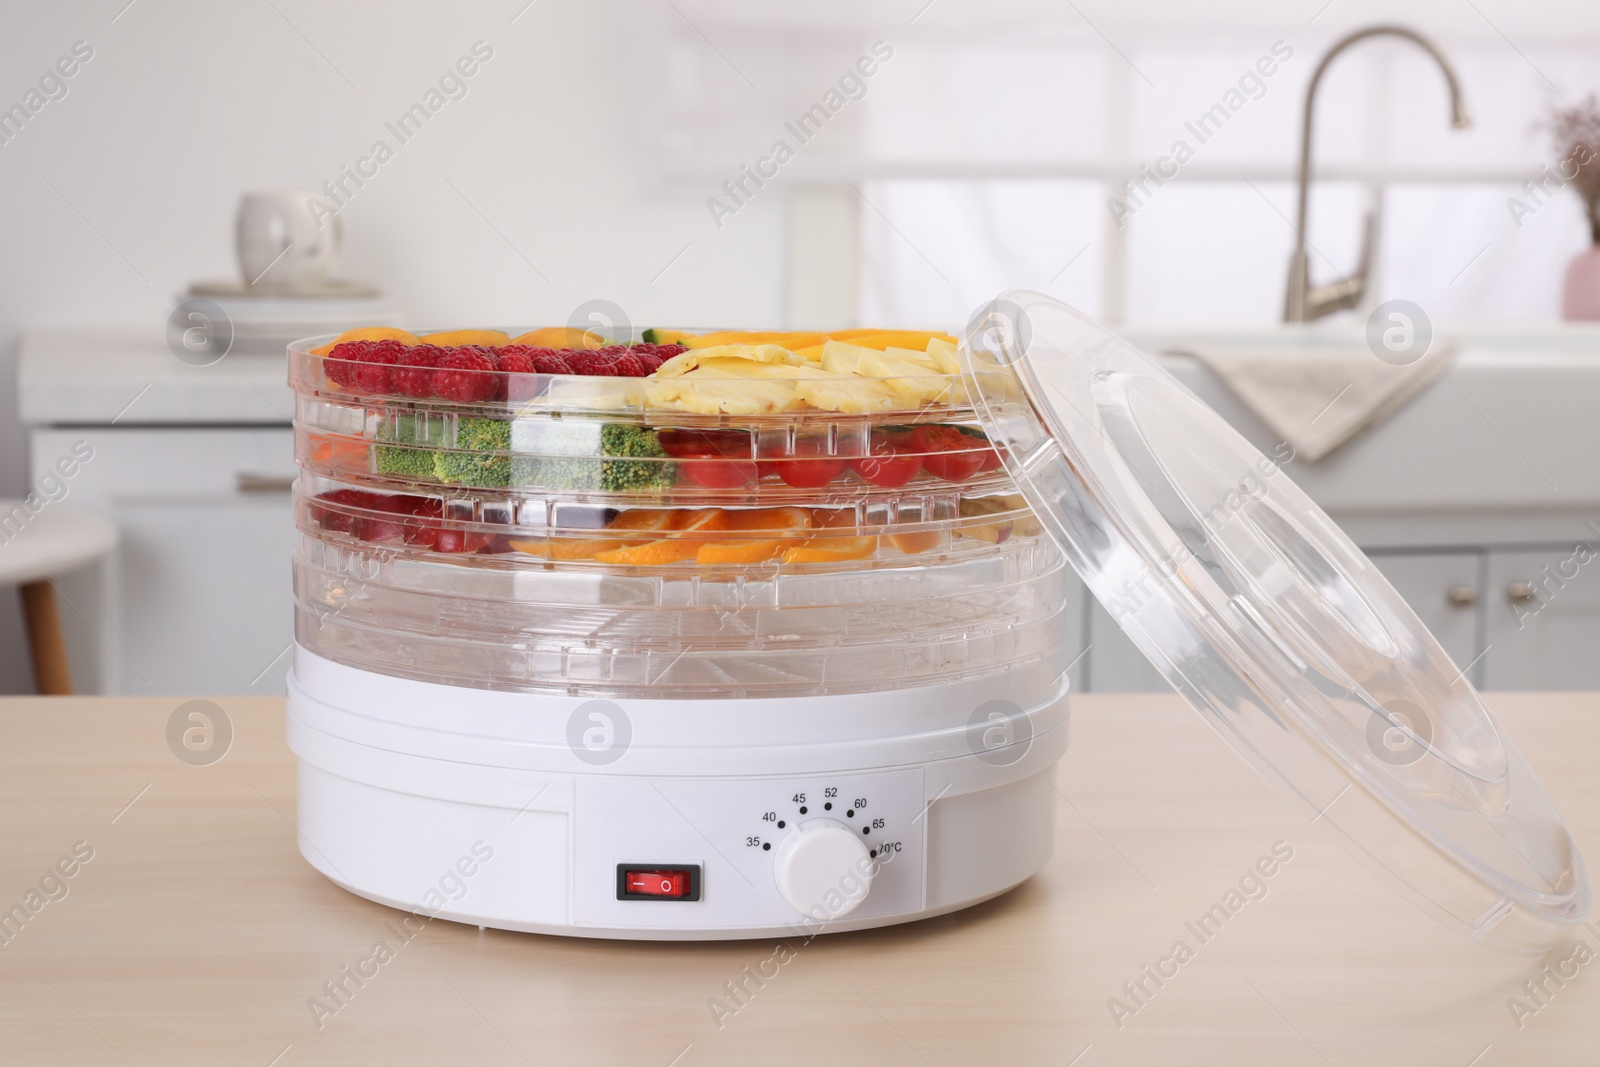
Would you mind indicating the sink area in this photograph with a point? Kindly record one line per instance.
(1472, 456)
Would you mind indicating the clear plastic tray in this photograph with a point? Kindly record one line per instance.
(945, 601)
(706, 399)
(467, 527)
(780, 461)
(544, 663)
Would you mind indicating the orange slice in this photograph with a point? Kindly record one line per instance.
(644, 519)
(912, 543)
(564, 548)
(559, 337)
(335, 451)
(777, 520)
(748, 551)
(452, 338)
(833, 518)
(787, 338)
(690, 529)
(832, 550)
(637, 520)
(882, 339)
(369, 333)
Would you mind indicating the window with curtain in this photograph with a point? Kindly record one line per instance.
(995, 146)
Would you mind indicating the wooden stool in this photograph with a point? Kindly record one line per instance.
(34, 545)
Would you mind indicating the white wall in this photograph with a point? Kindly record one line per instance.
(187, 103)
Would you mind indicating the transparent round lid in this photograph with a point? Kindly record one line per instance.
(1269, 620)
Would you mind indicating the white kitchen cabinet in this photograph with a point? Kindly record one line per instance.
(197, 599)
(1544, 619)
(1443, 588)
(1115, 664)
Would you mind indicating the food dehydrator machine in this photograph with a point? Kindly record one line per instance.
(684, 635)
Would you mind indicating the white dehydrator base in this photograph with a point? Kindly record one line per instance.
(488, 808)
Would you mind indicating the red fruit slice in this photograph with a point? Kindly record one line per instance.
(948, 453)
(729, 444)
(712, 459)
(808, 466)
(383, 521)
(713, 473)
(888, 469)
(423, 529)
(340, 520)
(893, 461)
(458, 541)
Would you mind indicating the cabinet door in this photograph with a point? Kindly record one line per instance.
(1442, 588)
(1544, 619)
(1445, 590)
(1115, 663)
(197, 599)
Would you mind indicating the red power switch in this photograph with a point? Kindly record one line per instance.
(669, 883)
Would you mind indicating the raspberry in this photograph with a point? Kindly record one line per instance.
(668, 351)
(611, 351)
(462, 375)
(413, 374)
(644, 348)
(587, 362)
(515, 363)
(549, 361)
(514, 359)
(372, 369)
(340, 365)
(631, 366)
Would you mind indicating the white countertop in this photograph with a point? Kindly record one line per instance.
(130, 377)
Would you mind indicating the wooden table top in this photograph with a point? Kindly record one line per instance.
(196, 934)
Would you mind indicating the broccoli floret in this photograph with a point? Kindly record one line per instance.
(479, 458)
(400, 462)
(635, 443)
(413, 463)
(631, 460)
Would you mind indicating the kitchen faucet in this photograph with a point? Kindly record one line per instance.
(1306, 303)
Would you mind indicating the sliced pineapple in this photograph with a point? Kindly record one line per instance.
(842, 358)
(685, 362)
(851, 395)
(943, 354)
(729, 386)
(916, 383)
(914, 355)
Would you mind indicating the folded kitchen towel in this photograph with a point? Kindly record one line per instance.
(1319, 397)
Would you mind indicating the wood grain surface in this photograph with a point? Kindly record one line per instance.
(196, 934)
